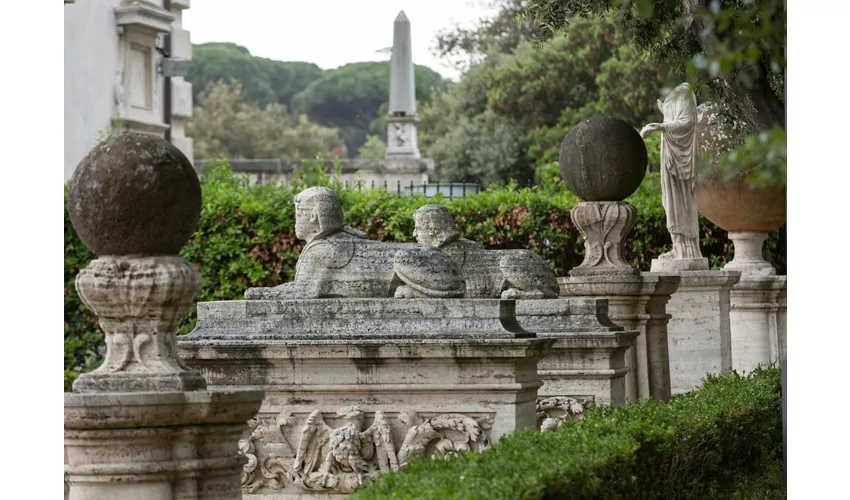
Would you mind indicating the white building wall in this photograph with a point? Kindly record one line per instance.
(105, 74)
(91, 56)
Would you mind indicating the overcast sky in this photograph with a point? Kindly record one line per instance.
(329, 33)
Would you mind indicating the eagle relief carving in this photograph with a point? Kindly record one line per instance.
(343, 458)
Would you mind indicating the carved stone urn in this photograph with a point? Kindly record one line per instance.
(748, 213)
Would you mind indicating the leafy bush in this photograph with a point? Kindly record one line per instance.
(245, 237)
(705, 444)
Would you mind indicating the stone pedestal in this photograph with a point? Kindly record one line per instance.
(604, 225)
(699, 331)
(748, 257)
(636, 303)
(672, 266)
(143, 425)
(757, 317)
(398, 376)
(177, 445)
(587, 361)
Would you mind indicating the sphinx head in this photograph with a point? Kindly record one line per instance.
(434, 225)
(317, 213)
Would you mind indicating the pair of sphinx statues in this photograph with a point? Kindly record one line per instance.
(339, 261)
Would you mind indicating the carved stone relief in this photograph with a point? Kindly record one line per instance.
(344, 457)
(554, 411)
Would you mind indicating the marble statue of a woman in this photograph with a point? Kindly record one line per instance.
(678, 159)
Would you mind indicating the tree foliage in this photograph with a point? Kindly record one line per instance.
(227, 122)
(265, 81)
(732, 49)
(349, 98)
(509, 113)
(499, 34)
(373, 148)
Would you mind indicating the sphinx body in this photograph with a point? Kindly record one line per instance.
(339, 261)
(508, 274)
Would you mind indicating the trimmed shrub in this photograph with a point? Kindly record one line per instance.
(705, 444)
(245, 237)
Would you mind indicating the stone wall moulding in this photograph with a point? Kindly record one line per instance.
(180, 4)
(143, 15)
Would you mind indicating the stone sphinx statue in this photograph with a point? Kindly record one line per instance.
(508, 274)
(678, 162)
(339, 261)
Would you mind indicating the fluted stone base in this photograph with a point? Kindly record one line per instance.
(156, 446)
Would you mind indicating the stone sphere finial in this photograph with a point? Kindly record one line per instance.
(134, 194)
(603, 159)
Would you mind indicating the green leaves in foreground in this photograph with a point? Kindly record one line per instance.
(715, 442)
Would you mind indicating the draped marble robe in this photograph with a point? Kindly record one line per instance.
(678, 158)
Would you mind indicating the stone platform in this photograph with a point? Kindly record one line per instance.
(398, 376)
(587, 362)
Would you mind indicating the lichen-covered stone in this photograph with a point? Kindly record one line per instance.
(508, 274)
(339, 261)
(603, 159)
(134, 194)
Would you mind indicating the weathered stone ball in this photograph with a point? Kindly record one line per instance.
(134, 194)
(603, 159)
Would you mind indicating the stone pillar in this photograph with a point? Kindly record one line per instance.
(699, 330)
(757, 318)
(587, 361)
(402, 118)
(604, 160)
(636, 303)
(143, 425)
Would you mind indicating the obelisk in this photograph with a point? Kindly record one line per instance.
(402, 118)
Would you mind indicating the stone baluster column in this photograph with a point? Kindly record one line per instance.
(143, 425)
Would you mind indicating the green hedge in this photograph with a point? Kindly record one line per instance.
(721, 441)
(245, 237)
